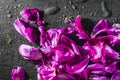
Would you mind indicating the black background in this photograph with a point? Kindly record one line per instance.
(90, 11)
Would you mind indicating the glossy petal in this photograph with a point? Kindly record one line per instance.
(96, 69)
(77, 67)
(18, 74)
(70, 43)
(30, 52)
(78, 24)
(46, 72)
(30, 14)
(31, 34)
(64, 76)
(109, 52)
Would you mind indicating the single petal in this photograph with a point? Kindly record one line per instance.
(116, 75)
(109, 52)
(84, 75)
(31, 34)
(102, 24)
(30, 52)
(20, 26)
(78, 24)
(18, 74)
(96, 69)
(30, 14)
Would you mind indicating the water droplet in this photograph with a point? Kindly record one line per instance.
(9, 16)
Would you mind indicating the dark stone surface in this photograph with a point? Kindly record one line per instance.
(90, 11)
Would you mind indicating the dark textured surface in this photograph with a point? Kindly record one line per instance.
(90, 11)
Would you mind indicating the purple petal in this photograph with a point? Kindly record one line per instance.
(116, 75)
(109, 52)
(30, 52)
(31, 34)
(46, 73)
(20, 26)
(70, 43)
(111, 68)
(63, 54)
(96, 69)
(30, 14)
(78, 24)
(102, 24)
(64, 76)
(99, 78)
(18, 74)
(95, 51)
(78, 67)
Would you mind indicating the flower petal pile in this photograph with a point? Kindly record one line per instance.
(68, 53)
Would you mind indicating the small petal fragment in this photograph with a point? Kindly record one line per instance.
(31, 15)
(18, 74)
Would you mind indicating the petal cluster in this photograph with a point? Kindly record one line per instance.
(69, 53)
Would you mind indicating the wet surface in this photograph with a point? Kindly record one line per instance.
(90, 11)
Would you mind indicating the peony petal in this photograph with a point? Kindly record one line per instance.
(31, 34)
(30, 14)
(30, 52)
